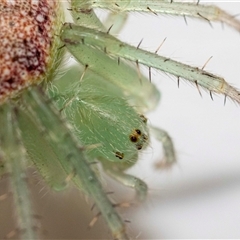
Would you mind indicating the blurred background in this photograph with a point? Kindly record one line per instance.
(200, 196)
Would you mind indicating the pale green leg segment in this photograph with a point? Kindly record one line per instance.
(76, 37)
(16, 165)
(168, 147)
(125, 76)
(130, 181)
(84, 15)
(70, 156)
(116, 21)
(205, 12)
(42, 149)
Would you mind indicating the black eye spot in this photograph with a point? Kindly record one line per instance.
(119, 155)
(145, 137)
(133, 138)
(138, 131)
(144, 119)
(139, 146)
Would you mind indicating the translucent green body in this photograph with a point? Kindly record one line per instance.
(95, 111)
(91, 109)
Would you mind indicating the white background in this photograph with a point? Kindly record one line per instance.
(200, 196)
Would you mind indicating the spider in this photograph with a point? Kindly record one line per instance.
(94, 112)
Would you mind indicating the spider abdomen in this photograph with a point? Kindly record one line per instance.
(28, 46)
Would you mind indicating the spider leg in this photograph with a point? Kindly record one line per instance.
(70, 157)
(168, 147)
(16, 161)
(120, 73)
(195, 10)
(78, 39)
(115, 22)
(83, 14)
(128, 180)
(124, 76)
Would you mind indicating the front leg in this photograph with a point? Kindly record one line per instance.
(128, 180)
(168, 148)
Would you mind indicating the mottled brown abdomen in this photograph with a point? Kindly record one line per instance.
(28, 30)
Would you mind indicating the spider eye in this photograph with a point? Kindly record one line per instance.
(144, 119)
(145, 137)
(133, 138)
(139, 146)
(119, 155)
(138, 131)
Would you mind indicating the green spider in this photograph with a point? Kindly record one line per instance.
(95, 111)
